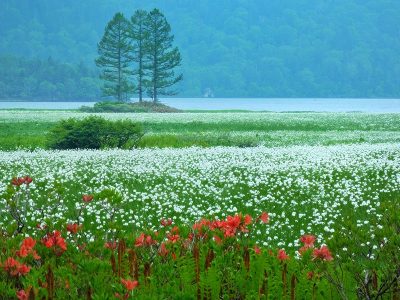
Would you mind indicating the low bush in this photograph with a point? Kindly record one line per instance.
(94, 133)
(122, 107)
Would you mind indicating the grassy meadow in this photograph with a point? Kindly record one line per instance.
(334, 176)
(27, 129)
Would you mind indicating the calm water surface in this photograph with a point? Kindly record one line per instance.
(256, 104)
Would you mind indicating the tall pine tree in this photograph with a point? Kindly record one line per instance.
(115, 58)
(161, 58)
(139, 36)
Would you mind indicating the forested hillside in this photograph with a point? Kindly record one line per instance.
(236, 48)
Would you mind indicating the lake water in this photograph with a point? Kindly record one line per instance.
(256, 104)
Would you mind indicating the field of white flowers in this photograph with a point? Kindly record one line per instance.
(313, 121)
(305, 189)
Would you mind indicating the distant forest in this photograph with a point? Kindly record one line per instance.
(23, 78)
(230, 48)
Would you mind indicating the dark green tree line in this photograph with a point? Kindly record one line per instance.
(49, 80)
(236, 48)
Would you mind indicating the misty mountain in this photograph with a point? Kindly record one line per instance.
(233, 48)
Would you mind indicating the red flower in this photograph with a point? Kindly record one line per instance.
(233, 221)
(10, 264)
(129, 284)
(29, 243)
(73, 228)
(17, 181)
(23, 270)
(27, 180)
(60, 242)
(87, 198)
(282, 256)
(247, 219)
(140, 240)
(110, 245)
(175, 230)
(217, 224)
(322, 253)
(166, 222)
(231, 225)
(149, 241)
(48, 242)
(55, 240)
(264, 217)
(173, 238)
(144, 240)
(35, 255)
(308, 240)
(201, 225)
(163, 250)
(21, 295)
(22, 252)
(229, 232)
(15, 268)
(257, 250)
(26, 248)
(304, 249)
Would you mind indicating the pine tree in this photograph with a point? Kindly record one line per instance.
(115, 58)
(139, 36)
(161, 58)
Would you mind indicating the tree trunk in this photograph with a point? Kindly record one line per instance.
(140, 87)
(119, 67)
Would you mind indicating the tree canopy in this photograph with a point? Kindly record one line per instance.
(115, 58)
(233, 48)
(160, 58)
(139, 36)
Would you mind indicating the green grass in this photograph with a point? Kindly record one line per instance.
(27, 135)
(28, 129)
(339, 193)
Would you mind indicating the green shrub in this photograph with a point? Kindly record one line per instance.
(94, 133)
(373, 269)
(123, 107)
(119, 107)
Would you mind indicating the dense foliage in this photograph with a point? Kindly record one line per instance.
(236, 48)
(46, 79)
(212, 259)
(94, 133)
